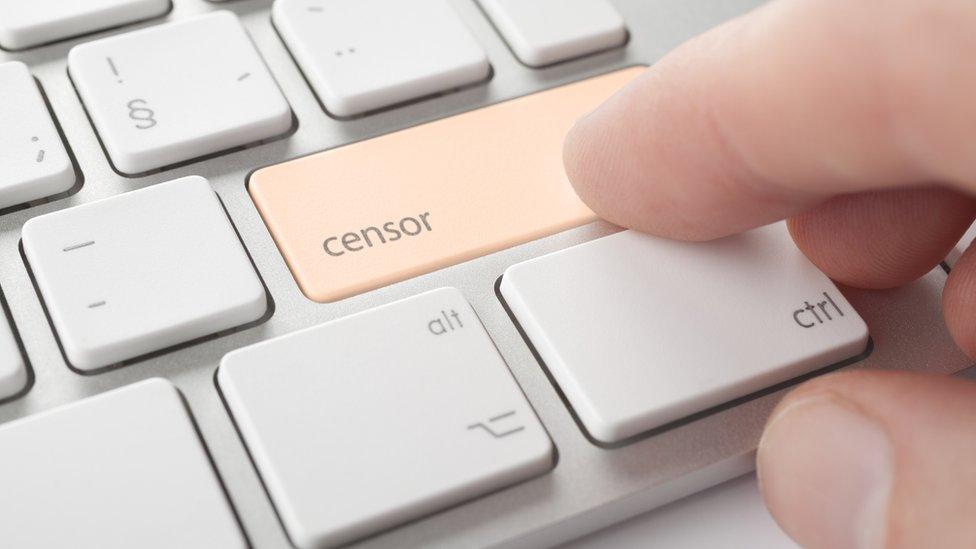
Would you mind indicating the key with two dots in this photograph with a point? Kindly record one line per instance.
(358, 61)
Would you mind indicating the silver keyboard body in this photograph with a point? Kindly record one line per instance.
(590, 487)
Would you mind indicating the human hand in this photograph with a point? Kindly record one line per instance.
(856, 120)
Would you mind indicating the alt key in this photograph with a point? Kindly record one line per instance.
(379, 418)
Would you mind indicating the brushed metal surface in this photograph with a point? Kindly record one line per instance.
(590, 487)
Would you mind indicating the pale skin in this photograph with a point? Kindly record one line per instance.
(855, 120)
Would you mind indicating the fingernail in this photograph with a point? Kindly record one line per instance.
(826, 471)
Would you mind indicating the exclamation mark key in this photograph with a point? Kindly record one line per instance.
(114, 69)
(40, 152)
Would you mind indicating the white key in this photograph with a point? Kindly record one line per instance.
(13, 373)
(176, 92)
(122, 469)
(362, 55)
(141, 272)
(33, 161)
(543, 32)
(382, 417)
(27, 24)
(957, 251)
(641, 331)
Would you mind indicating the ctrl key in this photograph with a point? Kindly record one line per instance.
(376, 419)
(657, 330)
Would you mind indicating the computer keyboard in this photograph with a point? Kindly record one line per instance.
(309, 273)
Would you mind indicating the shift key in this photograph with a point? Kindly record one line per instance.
(362, 216)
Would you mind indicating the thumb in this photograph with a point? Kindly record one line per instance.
(873, 459)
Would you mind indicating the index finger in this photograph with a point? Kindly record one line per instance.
(775, 112)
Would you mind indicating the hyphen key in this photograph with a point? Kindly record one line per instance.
(366, 215)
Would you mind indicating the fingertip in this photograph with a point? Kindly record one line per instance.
(959, 302)
(819, 439)
(583, 160)
(871, 459)
(648, 159)
(770, 113)
(605, 157)
(603, 177)
(883, 239)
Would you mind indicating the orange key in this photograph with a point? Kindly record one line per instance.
(358, 217)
